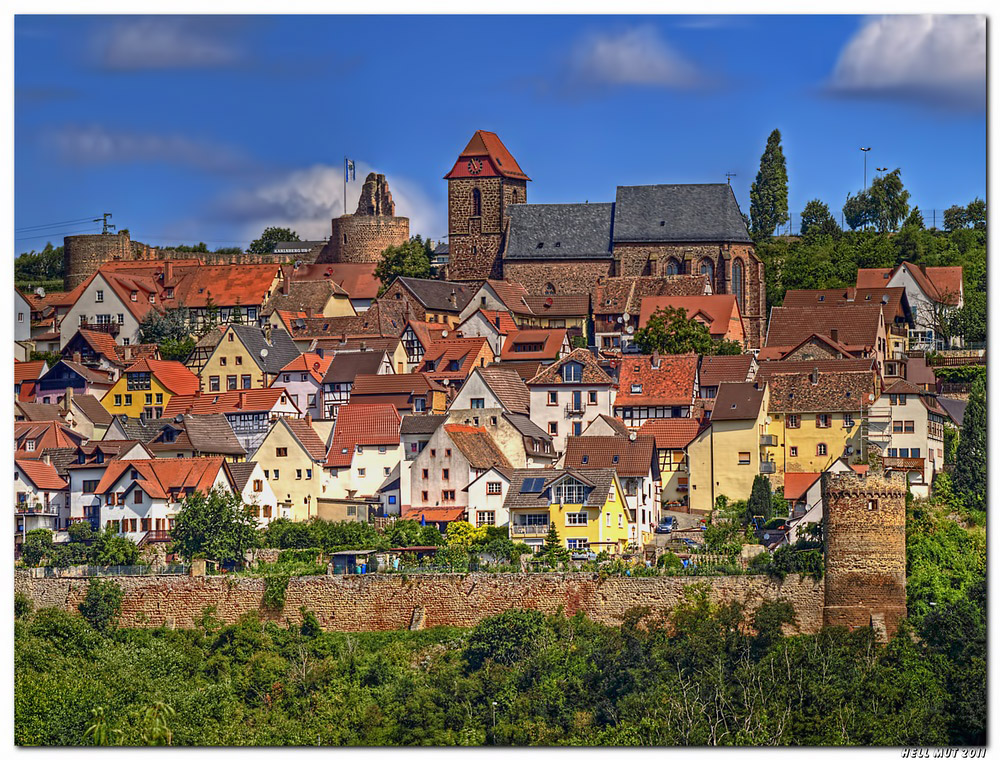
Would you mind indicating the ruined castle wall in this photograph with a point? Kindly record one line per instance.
(357, 239)
(396, 602)
(84, 254)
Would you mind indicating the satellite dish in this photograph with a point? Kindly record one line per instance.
(632, 436)
(768, 420)
(263, 353)
(871, 397)
(40, 291)
(630, 329)
(625, 316)
(445, 381)
(444, 333)
(620, 320)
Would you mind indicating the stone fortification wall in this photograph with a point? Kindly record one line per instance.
(395, 602)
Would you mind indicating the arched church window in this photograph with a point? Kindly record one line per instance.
(738, 283)
(477, 202)
(550, 289)
(673, 267)
(706, 267)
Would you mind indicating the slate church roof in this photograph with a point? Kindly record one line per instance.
(675, 213)
(560, 231)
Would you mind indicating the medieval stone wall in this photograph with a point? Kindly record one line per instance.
(865, 534)
(357, 239)
(474, 240)
(564, 276)
(396, 602)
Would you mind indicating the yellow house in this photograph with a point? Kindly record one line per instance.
(725, 457)
(292, 455)
(307, 298)
(246, 357)
(587, 507)
(145, 388)
(816, 417)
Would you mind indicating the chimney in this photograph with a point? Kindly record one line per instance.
(309, 312)
(68, 399)
(453, 299)
(47, 459)
(76, 357)
(364, 346)
(243, 399)
(656, 359)
(168, 271)
(815, 376)
(286, 286)
(834, 334)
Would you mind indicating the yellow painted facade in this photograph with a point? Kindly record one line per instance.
(133, 403)
(606, 529)
(726, 457)
(799, 447)
(232, 359)
(295, 477)
(552, 323)
(675, 475)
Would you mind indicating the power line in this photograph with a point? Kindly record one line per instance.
(54, 233)
(30, 227)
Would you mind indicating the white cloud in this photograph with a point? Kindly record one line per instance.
(935, 59)
(95, 144)
(637, 56)
(307, 199)
(165, 42)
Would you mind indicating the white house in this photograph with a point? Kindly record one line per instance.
(22, 317)
(486, 498)
(40, 496)
(248, 481)
(84, 476)
(365, 453)
(116, 303)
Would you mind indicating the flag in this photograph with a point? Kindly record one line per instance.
(423, 520)
(348, 170)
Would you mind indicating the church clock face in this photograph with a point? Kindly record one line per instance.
(475, 165)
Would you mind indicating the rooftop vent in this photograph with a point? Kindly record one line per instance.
(663, 223)
(558, 243)
(540, 245)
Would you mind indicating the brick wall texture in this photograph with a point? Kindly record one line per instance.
(396, 602)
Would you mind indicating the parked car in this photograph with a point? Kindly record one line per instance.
(666, 525)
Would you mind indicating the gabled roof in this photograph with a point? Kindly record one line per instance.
(436, 295)
(142, 430)
(628, 458)
(591, 374)
(501, 321)
(427, 332)
(671, 433)
(303, 296)
(358, 280)
(536, 497)
(42, 475)
(29, 370)
(487, 145)
(719, 312)
(524, 369)
(38, 412)
(559, 231)
(551, 343)
(225, 285)
(240, 473)
(670, 383)
(412, 383)
(173, 376)
(508, 387)
(91, 375)
(954, 408)
(767, 370)
(738, 401)
(91, 407)
(797, 484)
(344, 368)
(678, 213)
(212, 433)
(615, 423)
(942, 284)
(306, 435)
(281, 349)
(46, 435)
(834, 392)
(358, 344)
(165, 478)
(229, 402)
(441, 353)
(316, 365)
(778, 353)
(623, 295)
(857, 327)
(101, 342)
(893, 299)
(728, 369)
(559, 305)
(900, 387)
(477, 446)
(421, 424)
(528, 429)
(365, 425)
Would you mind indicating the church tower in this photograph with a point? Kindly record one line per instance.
(484, 182)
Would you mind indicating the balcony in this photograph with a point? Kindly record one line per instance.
(112, 328)
(767, 468)
(769, 440)
(36, 509)
(573, 411)
(155, 536)
(529, 530)
(904, 464)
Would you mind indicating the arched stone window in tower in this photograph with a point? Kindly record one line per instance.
(550, 289)
(738, 283)
(706, 267)
(673, 267)
(477, 202)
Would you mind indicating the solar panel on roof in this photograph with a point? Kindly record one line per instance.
(532, 485)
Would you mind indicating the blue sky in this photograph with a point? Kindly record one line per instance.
(209, 128)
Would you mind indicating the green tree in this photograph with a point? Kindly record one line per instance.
(975, 213)
(889, 201)
(102, 604)
(47, 264)
(669, 331)
(218, 526)
(171, 325)
(955, 218)
(464, 534)
(915, 220)
(155, 730)
(817, 220)
(507, 638)
(553, 551)
(760, 502)
(265, 244)
(110, 548)
(37, 546)
(52, 358)
(858, 210)
(173, 349)
(410, 259)
(769, 191)
(970, 466)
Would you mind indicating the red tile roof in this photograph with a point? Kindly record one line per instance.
(551, 344)
(464, 351)
(559, 305)
(628, 458)
(671, 384)
(487, 144)
(362, 424)
(725, 369)
(46, 435)
(833, 392)
(226, 285)
(737, 401)
(891, 298)
(857, 327)
(357, 279)
(672, 433)
(477, 446)
(718, 312)
(102, 343)
(414, 382)
(621, 295)
(436, 514)
(158, 477)
(592, 373)
(314, 364)
(942, 284)
(508, 386)
(428, 332)
(767, 370)
(306, 434)
(43, 475)
(28, 370)
(797, 484)
(501, 321)
(172, 375)
(229, 402)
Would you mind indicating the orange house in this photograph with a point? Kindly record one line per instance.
(720, 313)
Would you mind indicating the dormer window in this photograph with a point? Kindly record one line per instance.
(572, 372)
(169, 293)
(614, 459)
(135, 295)
(636, 388)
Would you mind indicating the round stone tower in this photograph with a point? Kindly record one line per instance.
(865, 533)
(84, 254)
(360, 238)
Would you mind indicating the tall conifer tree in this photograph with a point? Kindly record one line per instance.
(769, 191)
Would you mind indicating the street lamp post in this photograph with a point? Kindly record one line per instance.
(865, 151)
